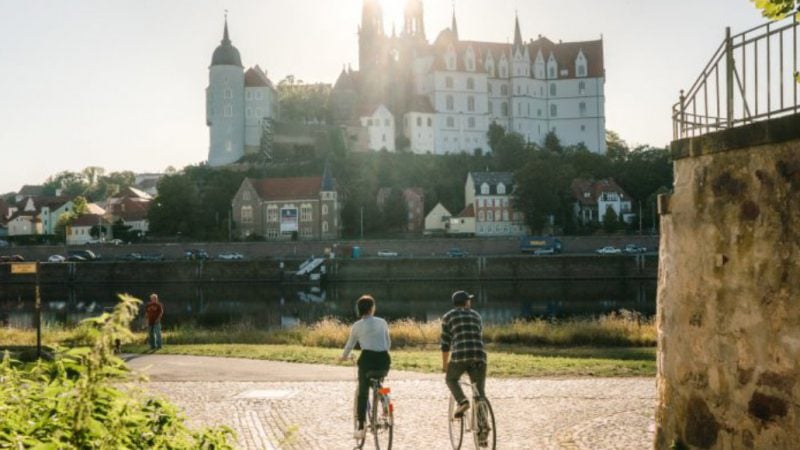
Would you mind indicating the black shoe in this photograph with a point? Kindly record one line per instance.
(461, 409)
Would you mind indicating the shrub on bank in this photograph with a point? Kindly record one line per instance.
(76, 401)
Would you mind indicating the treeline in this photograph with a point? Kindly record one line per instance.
(196, 202)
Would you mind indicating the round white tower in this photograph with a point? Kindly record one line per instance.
(225, 104)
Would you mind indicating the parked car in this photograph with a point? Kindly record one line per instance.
(131, 257)
(456, 252)
(608, 251)
(545, 251)
(152, 257)
(56, 259)
(12, 258)
(116, 242)
(95, 241)
(387, 253)
(195, 254)
(230, 256)
(82, 255)
(633, 248)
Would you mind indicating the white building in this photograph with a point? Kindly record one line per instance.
(491, 194)
(80, 231)
(379, 123)
(437, 219)
(593, 200)
(238, 105)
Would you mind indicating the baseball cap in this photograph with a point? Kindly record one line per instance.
(461, 297)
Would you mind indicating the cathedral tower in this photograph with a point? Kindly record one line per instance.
(371, 35)
(414, 19)
(225, 104)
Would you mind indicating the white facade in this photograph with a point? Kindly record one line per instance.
(24, 225)
(49, 218)
(419, 129)
(437, 219)
(381, 130)
(615, 201)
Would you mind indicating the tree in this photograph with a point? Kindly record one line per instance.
(543, 190)
(617, 148)
(777, 9)
(511, 152)
(495, 134)
(394, 213)
(610, 220)
(79, 206)
(121, 231)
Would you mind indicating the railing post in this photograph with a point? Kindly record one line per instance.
(729, 68)
(682, 120)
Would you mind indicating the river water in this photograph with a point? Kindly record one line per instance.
(275, 305)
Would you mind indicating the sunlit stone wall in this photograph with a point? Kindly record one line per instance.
(729, 292)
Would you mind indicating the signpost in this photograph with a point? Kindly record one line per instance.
(32, 268)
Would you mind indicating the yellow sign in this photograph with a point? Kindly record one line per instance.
(23, 268)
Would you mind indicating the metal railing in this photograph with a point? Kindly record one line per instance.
(751, 77)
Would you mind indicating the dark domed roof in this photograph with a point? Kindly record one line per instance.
(226, 54)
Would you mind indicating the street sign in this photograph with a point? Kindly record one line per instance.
(23, 268)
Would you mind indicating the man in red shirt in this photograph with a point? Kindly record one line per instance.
(154, 312)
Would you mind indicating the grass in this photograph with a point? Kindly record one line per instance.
(619, 344)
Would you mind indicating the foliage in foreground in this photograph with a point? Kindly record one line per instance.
(76, 400)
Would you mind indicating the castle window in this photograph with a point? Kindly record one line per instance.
(450, 103)
(582, 108)
(228, 93)
(451, 123)
(552, 89)
(519, 109)
(539, 112)
(553, 111)
(504, 109)
(582, 88)
(470, 84)
(419, 121)
(471, 122)
(249, 95)
(583, 127)
(430, 122)
(504, 90)
(491, 108)
(228, 111)
(491, 89)
(448, 82)
(324, 210)
(325, 227)
(503, 72)
(471, 103)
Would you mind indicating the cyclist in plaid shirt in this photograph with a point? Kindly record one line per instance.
(462, 348)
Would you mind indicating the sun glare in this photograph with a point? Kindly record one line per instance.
(393, 14)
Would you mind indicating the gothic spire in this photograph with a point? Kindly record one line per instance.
(454, 27)
(517, 33)
(225, 39)
(327, 179)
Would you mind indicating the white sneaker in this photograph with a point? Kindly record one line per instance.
(360, 434)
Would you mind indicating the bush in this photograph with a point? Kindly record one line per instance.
(76, 402)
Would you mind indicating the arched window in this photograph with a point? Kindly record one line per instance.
(325, 227)
(553, 111)
(485, 189)
(470, 103)
(552, 89)
(582, 87)
(451, 123)
(501, 188)
(470, 84)
(504, 90)
(324, 210)
(504, 109)
(471, 122)
(448, 82)
(450, 103)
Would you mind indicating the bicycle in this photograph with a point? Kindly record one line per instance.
(480, 422)
(380, 413)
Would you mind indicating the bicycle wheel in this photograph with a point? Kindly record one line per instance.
(359, 442)
(455, 425)
(484, 432)
(382, 421)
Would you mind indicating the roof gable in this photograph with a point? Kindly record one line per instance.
(299, 188)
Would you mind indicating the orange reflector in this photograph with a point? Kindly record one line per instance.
(384, 391)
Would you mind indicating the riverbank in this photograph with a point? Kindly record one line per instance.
(482, 268)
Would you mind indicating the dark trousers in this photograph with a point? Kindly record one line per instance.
(368, 364)
(477, 375)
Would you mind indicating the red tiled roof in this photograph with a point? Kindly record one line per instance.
(300, 188)
(89, 220)
(255, 77)
(582, 186)
(469, 211)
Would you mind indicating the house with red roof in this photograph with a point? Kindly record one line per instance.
(594, 199)
(130, 206)
(279, 209)
(79, 232)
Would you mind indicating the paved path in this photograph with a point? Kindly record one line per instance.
(266, 401)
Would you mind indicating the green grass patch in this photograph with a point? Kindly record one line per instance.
(504, 361)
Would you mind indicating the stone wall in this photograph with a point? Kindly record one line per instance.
(729, 292)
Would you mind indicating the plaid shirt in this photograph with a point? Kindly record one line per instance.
(461, 335)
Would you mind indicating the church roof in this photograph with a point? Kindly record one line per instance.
(566, 53)
(299, 188)
(226, 54)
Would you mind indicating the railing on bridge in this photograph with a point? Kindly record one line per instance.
(751, 77)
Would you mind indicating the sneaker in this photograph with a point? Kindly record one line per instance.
(360, 434)
(462, 408)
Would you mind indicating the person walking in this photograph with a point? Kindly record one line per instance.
(154, 312)
(372, 334)
(462, 349)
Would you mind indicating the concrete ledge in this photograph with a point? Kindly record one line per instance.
(773, 131)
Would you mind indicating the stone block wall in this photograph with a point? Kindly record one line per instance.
(729, 292)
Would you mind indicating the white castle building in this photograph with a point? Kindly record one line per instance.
(238, 105)
(453, 89)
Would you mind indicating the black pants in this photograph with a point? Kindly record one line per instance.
(368, 362)
(477, 375)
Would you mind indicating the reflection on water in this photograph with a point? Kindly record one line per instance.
(275, 305)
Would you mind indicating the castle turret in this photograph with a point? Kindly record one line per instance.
(371, 35)
(225, 104)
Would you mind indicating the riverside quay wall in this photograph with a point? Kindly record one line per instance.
(728, 313)
(484, 268)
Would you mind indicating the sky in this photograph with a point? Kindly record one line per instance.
(121, 84)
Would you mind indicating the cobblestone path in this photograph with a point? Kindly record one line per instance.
(595, 413)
